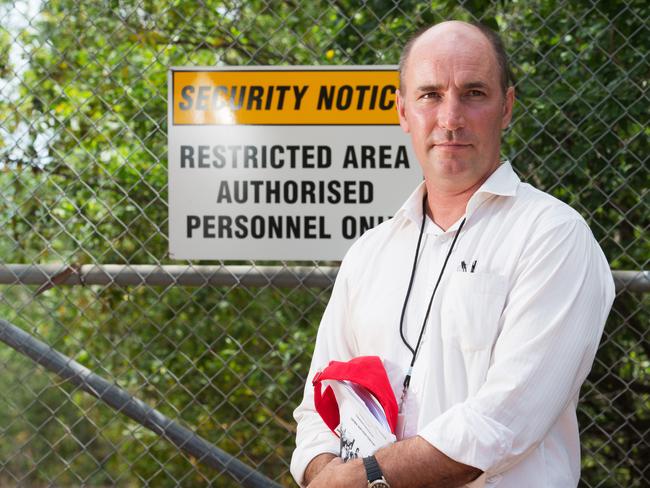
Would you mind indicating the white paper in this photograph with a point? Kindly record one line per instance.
(363, 426)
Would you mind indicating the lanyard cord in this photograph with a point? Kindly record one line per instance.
(414, 352)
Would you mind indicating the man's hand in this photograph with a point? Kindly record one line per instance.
(337, 474)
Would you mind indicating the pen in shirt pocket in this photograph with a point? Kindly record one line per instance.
(463, 266)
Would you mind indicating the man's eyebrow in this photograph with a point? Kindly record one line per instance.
(474, 84)
(428, 88)
(470, 85)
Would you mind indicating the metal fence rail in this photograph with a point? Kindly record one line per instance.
(50, 275)
(225, 346)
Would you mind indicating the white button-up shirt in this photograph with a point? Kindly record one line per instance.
(506, 348)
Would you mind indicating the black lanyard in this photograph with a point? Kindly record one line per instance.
(407, 379)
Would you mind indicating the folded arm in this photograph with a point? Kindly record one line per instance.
(410, 463)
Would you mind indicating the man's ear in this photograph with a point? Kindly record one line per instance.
(401, 111)
(507, 107)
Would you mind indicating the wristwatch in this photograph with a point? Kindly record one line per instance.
(373, 473)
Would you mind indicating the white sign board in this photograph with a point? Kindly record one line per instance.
(283, 163)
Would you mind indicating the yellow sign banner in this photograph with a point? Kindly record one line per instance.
(285, 97)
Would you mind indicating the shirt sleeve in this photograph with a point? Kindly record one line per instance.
(333, 342)
(553, 319)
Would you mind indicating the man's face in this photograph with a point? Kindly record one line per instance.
(453, 106)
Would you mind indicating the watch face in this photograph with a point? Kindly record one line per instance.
(378, 484)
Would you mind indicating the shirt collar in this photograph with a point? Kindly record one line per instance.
(503, 181)
(412, 208)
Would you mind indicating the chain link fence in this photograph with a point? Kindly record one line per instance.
(223, 348)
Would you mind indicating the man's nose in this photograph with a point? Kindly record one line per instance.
(451, 114)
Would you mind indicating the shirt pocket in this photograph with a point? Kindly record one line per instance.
(471, 309)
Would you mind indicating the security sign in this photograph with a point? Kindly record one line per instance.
(283, 163)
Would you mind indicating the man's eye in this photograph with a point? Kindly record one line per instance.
(476, 93)
(433, 95)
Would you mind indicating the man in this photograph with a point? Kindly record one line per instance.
(508, 296)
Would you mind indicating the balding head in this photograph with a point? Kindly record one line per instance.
(453, 105)
(458, 31)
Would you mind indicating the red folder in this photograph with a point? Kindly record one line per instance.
(366, 371)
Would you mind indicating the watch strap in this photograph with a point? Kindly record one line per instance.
(373, 471)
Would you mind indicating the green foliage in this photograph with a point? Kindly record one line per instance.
(83, 179)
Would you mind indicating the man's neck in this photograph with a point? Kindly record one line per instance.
(445, 206)
(446, 209)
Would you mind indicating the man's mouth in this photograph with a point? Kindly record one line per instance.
(451, 145)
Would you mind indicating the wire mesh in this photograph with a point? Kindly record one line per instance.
(83, 183)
